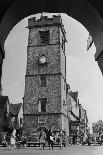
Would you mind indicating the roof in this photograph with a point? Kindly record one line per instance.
(14, 109)
(3, 101)
(74, 95)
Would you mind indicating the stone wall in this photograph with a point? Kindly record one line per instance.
(33, 92)
(54, 71)
(34, 37)
(52, 120)
(52, 53)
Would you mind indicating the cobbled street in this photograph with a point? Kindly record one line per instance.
(70, 150)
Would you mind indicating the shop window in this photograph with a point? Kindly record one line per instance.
(44, 36)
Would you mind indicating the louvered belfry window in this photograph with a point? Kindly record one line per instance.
(44, 36)
(42, 105)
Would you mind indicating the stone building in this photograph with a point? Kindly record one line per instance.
(73, 111)
(15, 116)
(4, 111)
(44, 102)
(83, 126)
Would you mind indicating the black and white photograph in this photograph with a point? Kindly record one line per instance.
(51, 77)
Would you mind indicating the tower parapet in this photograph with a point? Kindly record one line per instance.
(45, 21)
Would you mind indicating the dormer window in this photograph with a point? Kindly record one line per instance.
(44, 36)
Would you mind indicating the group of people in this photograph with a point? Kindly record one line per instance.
(49, 138)
(45, 138)
(12, 139)
(80, 139)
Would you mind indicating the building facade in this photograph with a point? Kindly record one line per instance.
(4, 112)
(44, 102)
(83, 126)
(73, 112)
(15, 118)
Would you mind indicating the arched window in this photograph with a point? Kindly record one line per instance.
(42, 105)
(43, 80)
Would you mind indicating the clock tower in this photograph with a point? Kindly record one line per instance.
(45, 80)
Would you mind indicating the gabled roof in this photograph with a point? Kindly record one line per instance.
(3, 101)
(74, 95)
(14, 109)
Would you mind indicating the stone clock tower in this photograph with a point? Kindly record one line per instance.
(45, 80)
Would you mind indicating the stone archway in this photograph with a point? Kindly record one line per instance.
(81, 10)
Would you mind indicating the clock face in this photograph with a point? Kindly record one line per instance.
(42, 60)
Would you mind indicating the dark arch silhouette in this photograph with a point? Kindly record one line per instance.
(81, 10)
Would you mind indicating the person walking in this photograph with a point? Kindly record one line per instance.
(42, 138)
(51, 140)
(13, 138)
(61, 135)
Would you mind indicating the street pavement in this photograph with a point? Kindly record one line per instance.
(69, 150)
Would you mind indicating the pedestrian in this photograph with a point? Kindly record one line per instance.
(24, 140)
(13, 139)
(61, 134)
(49, 133)
(8, 139)
(51, 141)
(84, 139)
(42, 138)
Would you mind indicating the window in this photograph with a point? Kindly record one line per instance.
(42, 105)
(64, 86)
(41, 119)
(64, 103)
(63, 44)
(21, 121)
(12, 119)
(43, 80)
(44, 36)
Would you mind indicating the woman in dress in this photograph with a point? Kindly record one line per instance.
(13, 138)
(42, 139)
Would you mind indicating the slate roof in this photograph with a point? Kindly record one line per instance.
(74, 95)
(3, 101)
(14, 109)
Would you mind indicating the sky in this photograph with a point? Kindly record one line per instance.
(83, 73)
